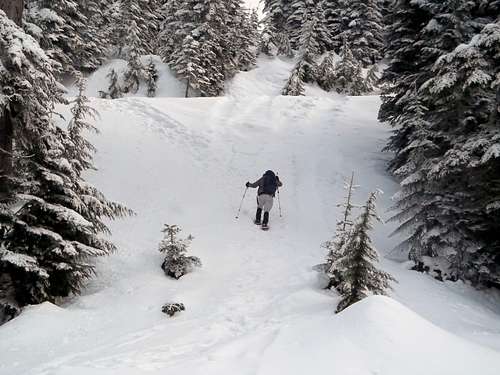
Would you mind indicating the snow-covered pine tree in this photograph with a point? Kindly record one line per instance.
(306, 68)
(464, 110)
(135, 70)
(295, 83)
(326, 72)
(115, 90)
(309, 50)
(372, 79)
(299, 13)
(189, 66)
(444, 194)
(337, 21)
(407, 70)
(65, 33)
(359, 277)
(276, 13)
(347, 78)
(177, 21)
(152, 76)
(246, 39)
(214, 25)
(364, 31)
(176, 263)
(48, 243)
(147, 26)
(269, 39)
(283, 45)
(342, 233)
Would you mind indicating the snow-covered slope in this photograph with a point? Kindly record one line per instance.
(256, 306)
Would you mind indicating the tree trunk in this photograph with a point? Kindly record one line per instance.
(14, 10)
(187, 89)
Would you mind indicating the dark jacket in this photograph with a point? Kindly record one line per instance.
(260, 184)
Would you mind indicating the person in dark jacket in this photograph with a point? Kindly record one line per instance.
(267, 184)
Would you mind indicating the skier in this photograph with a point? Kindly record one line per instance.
(267, 184)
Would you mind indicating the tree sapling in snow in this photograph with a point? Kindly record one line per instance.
(114, 90)
(151, 78)
(335, 246)
(359, 277)
(176, 263)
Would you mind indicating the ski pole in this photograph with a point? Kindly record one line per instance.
(279, 202)
(241, 204)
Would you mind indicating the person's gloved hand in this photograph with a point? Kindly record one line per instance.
(247, 184)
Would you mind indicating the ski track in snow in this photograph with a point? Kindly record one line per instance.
(256, 306)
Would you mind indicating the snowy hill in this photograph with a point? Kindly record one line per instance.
(256, 306)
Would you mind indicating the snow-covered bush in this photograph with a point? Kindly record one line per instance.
(177, 263)
(172, 308)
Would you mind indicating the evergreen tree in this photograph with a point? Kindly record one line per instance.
(135, 70)
(337, 21)
(49, 242)
(441, 101)
(268, 40)
(306, 68)
(283, 45)
(147, 26)
(276, 13)
(347, 77)
(115, 91)
(216, 27)
(295, 84)
(189, 66)
(176, 263)
(372, 79)
(342, 233)
(326, 72)
(151, 78)
(359, 277)
(66, 34)
(364, 32)
(299, 13)
(246, 40)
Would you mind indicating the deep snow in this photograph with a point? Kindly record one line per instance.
(256, 306)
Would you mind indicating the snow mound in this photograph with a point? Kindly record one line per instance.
(268, 79)
(375, 336)
(168, 84)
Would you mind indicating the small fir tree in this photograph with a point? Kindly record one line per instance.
(372, 79)
(342, 233)
(269, 40)
(326, 72)
(177, 263)
(115, 90)
(359, 277)
(295, 84)
(151, 78)
(347, 78)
